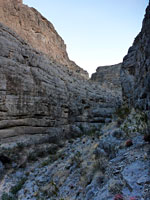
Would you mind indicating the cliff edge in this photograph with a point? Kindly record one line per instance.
(37, 31)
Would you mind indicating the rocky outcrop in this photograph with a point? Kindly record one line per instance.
(42, 102)
(135, 71)
(108, 76)
(40, 97)
(37, 31)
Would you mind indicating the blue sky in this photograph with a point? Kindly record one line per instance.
(96, 32)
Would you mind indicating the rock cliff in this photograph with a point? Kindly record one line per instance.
(57, 137)
(37, 31)
(38, 96)
(42, 104)
(108, 76)
(135, 71)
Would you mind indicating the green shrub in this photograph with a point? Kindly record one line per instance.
(32, 156)
(135, 122)
(123, 112)
(55, 189)
(76, 159)
(6, 196)
(46, 162)
(18, 186)
(20, 146)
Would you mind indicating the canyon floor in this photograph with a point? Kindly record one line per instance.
(105, 164)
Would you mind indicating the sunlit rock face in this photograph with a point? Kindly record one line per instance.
(108, 76)
(19, 1)
(40, 97)
(135, 72)
(37, 31)
(56, 135)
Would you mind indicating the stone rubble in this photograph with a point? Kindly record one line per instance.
(89, 168)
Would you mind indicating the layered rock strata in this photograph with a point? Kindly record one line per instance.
(41, 101)
(37, 31)
(40, 97)
(87, 168)
(135, 71)
(108, 76)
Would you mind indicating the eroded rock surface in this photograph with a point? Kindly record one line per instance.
(39, 97)
(37, 31)
(86, 168)
(135, 71)
(108, 76)
(41, 104)
(57, 140)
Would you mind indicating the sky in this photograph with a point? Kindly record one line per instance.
(96, 32)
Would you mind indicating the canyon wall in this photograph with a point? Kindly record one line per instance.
(39, 97)
(37, 31)
(44, 106)
(108, 76)
(135, 71)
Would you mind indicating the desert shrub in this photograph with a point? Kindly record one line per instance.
(46, 162)
(135, 122)
(122, 112)
(18, 186)
(6, 196)
(76, 159)
(32, 156)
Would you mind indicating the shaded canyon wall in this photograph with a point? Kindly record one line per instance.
(135, 71)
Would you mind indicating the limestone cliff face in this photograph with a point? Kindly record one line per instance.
(135, 71)
(43, 103)
(38, 97)
(108, 76)
(37, 31)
